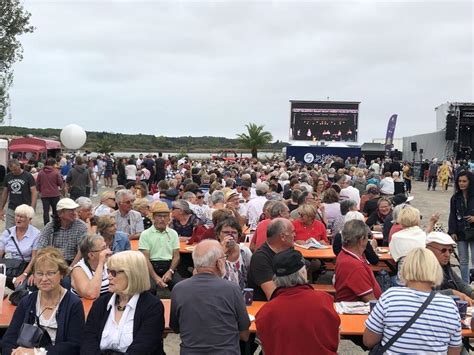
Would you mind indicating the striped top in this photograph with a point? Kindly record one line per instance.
(437, 328)
(104, 287)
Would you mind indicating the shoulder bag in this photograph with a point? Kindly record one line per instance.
(379, 349)
(468, 231)
(33, 335)
(15, 267)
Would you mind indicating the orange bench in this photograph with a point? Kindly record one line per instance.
(326, 288)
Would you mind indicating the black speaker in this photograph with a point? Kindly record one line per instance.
(421, 150)
(413, 147)
(450, 127)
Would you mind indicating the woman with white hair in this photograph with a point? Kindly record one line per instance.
(369, 252)
(85, 213)
(18, 246)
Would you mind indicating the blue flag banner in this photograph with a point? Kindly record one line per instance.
(392, 122)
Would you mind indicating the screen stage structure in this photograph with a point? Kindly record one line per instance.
(328, 121)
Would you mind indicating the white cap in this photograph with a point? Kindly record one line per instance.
(440, 238)
(66, 204)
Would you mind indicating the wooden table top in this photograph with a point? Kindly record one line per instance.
(351, 324)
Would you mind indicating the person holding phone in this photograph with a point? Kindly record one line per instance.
(238, 256)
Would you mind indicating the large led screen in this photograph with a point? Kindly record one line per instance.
(324, 121)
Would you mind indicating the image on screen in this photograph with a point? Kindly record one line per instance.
(324, 121)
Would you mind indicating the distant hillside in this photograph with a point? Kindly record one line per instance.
(141, 142)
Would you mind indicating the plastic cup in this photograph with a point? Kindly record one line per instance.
(248, 296)
(462, 308)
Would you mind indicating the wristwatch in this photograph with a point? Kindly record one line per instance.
(25, 274)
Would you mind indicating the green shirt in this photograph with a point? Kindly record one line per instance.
(160, 244)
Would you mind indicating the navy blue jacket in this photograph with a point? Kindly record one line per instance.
(70, 318)
(148, 326)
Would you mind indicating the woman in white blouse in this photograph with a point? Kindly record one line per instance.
(129, 319)
(89, 278)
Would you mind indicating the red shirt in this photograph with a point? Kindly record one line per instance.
(261, 233)
(395, 228)
(354, 278)
(317, 231)
(298, 320)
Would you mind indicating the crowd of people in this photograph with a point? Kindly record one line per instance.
(242, 219)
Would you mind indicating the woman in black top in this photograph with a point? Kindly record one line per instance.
(461, 220)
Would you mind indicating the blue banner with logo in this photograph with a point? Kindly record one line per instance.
(392, 122)
(318, 154)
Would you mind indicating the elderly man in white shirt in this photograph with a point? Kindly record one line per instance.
(387, 185)
(255, 206)
(348, 192)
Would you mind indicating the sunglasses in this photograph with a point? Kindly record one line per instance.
(444, 250)
(199, 197)
(114, 273)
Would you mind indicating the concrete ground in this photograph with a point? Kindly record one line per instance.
(428, 202)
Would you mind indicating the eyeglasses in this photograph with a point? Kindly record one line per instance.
(48, 274)
(99, 250)
(114, 273)
(110, 198)
(230, 233)
(19, 216)
(244, 188)
(127, 202)
(175, 208)
(443, 250)
(199, 197)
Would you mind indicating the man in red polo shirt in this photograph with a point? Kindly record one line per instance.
(297, 319)
(354, 280)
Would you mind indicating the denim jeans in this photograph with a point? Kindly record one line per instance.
(464, 258)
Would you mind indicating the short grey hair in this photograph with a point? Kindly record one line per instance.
(354, 231)
(396, 211)
(217, 197)
(284, 177)
(120, 194)
(210, 256)
(84, 202)
(25, 210)
(299, 277)
(188, 195)
(87, 244)
(277, 208)
(346, 205)
(183, 205)
(277, 227)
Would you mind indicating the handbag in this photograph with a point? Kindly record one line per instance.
(469, 234)
(15, 267)
(33, 336)
(378, 349)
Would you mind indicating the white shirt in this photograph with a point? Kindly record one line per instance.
(51, 324)
(119, 336)
(387, 186)
(131, 172)
(405, 241)
(254, 210)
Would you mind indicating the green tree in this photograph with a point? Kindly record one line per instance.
(104, 145)
(14, 21)
(255, 138)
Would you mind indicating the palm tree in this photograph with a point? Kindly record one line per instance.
(255, 139)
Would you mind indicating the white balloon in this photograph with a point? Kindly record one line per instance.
(73, 136)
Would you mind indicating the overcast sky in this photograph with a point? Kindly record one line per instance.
(207, 68)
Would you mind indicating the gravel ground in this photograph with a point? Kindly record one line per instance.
(428, 202)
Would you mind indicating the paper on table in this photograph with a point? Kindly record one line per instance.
(190, 248)
(251, 317)
(312, 243)
(352, 308)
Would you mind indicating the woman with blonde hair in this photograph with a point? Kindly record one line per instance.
(436, 330)
(53, 308)
(129, 319)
